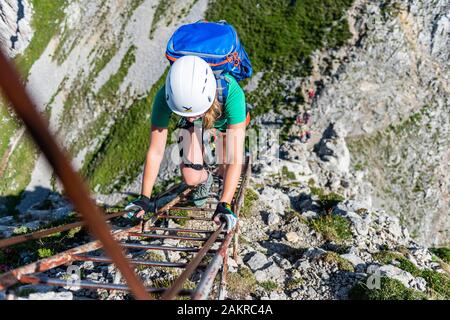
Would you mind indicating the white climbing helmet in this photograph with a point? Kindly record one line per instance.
(190, 86)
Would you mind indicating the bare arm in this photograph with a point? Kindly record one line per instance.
(155, 154)
(234, 160)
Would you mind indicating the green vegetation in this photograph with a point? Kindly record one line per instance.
(269, 285)
(45, 253)
(438, 283)
(280, 32)
(110, 89)
(151, 256)
(287, 174)
(241, 283)
(47, 16)
(164, 185)
(362, 211)
(180, 213)
(160, 10)
(388, 257)
(63, 49)
(279, 37)
(294, 283)
(332, 227)
(326, 200)
(443, 253)
(376, 152)
(18, 171)
(8, 126)
(250, 197)
(390, 289)
(103, 60)
(25, 292)
(389, 9)
(132, 8)
(343, 264)
(45, 22)
(121, 156)
(33, 250)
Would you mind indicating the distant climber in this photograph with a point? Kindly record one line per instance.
(205, 92)
(303, 121)
(311, 95)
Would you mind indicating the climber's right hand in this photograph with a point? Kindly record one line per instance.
(139, 208)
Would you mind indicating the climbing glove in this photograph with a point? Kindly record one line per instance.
(223, 213)
(141, 203)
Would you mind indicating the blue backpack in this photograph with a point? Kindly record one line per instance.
(218, 44)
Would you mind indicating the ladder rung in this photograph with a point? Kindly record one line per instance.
(162, 248)
(180, 230)
(89, 284)
(192, 209)
(167, 236)
(140, 262)
(182, 217)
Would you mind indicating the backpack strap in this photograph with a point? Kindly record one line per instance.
(222, 88)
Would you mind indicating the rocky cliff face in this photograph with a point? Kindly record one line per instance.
(389, 92)
(15, 28)
(364, 197)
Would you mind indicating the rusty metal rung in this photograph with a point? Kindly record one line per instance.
(141, 262)
(186, 218)
(90, 284)
(180, 230)
(167, 236)
(108, 237)
(192, 209)
(162, 248)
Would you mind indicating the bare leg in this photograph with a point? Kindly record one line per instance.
(192, 151)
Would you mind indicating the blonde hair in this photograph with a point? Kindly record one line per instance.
(213, 113)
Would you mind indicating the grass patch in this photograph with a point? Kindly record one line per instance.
(249, 200)
(8, 127)
(332, 227)
(122, 154)
(241, 283)
(269, 285)
(160, 10)
(287, 174)
(109, 91)
(180, 213)
(23, 253)
(279, 37)
(326, 200)
(19, 168)
(443, 253)
(45, 253)
(438, 283)
(45, 22)
(390, 289)
(281, 32)
(389, 257)
(294, 283)
(343, 264)
(103, 60)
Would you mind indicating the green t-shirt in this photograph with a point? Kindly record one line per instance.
(234, 111)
